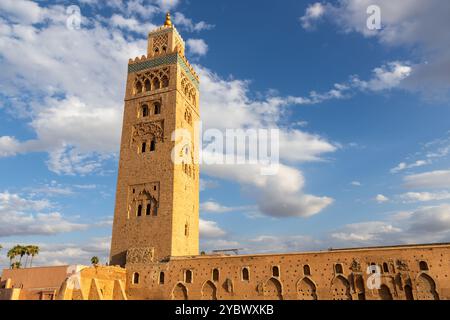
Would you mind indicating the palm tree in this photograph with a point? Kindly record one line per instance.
(21, 251)
(95, 261)
(12, 253)
(27, 252)
(34, 251)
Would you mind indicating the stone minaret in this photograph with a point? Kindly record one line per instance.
(157, 199)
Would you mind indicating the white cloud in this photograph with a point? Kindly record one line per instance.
(422, 225)
(433, 179)
(425, 196)
(381, 198)
(356, 183)
(9, 146)
(25, 217)
(313, 13)
(57, 254)
(210, 229)
(180, 20)
(131, 24)
(206, 184)
(365, 231)
(215, 207)
(403, 165)
(386, 77)
(414, 24)
(22, 11)
(197, 46)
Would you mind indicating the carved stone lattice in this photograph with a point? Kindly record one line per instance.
(355, 266)
(160, 42)
(148, 131)
(140, 255)
(143, 195)
(152, 80)
(188, 89)
(402, 265)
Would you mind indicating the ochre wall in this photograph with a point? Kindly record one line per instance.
(402, 262)
(177, 195)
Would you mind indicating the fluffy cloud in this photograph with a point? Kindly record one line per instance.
(381, 198)
(412, 23)
(424, 196)
(215, 207)
(366, 231)
(210, 229)
(182, 21)
(21, 216)
(423, 225)
(433, 179)
(9, 146)
(313, 13)
(404, 166)
(66, 253)
(197, 46)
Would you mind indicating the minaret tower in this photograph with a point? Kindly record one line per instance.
(157, 200)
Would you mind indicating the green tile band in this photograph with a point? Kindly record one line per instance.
(162, 61)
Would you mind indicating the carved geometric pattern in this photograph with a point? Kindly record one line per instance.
(188, 71)
(188, 89)
(143, 195)
(402, 265)
(152, 63)
(162, 61)
(355, 266)
(140, 255)
(160, 43)
(152, 80)
(147, 131)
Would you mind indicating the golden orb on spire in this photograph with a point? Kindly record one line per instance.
(168, 22)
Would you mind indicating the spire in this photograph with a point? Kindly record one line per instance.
(168, 22)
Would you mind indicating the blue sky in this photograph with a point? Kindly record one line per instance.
(364, 119)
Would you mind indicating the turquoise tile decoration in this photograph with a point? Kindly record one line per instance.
(162, 61)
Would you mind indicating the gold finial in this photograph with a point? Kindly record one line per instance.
(168, 22)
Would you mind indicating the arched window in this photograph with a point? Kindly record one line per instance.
(275, 271)
(215, 275)
(338, 268)
(385, 267)
(138, 87)
(165, 82)
(186, 230)
(153, 145)
(148, 209)
(157, 107)
(306, 270)
(164, 49)
(423, 266)
(139, 210)
(188, 276)
(374, 270)
(147, 85)
(156, 50)
(145, 111)
(144, 147)
(156, 84)
(161, 277)
(245, 274)
(135, 278)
